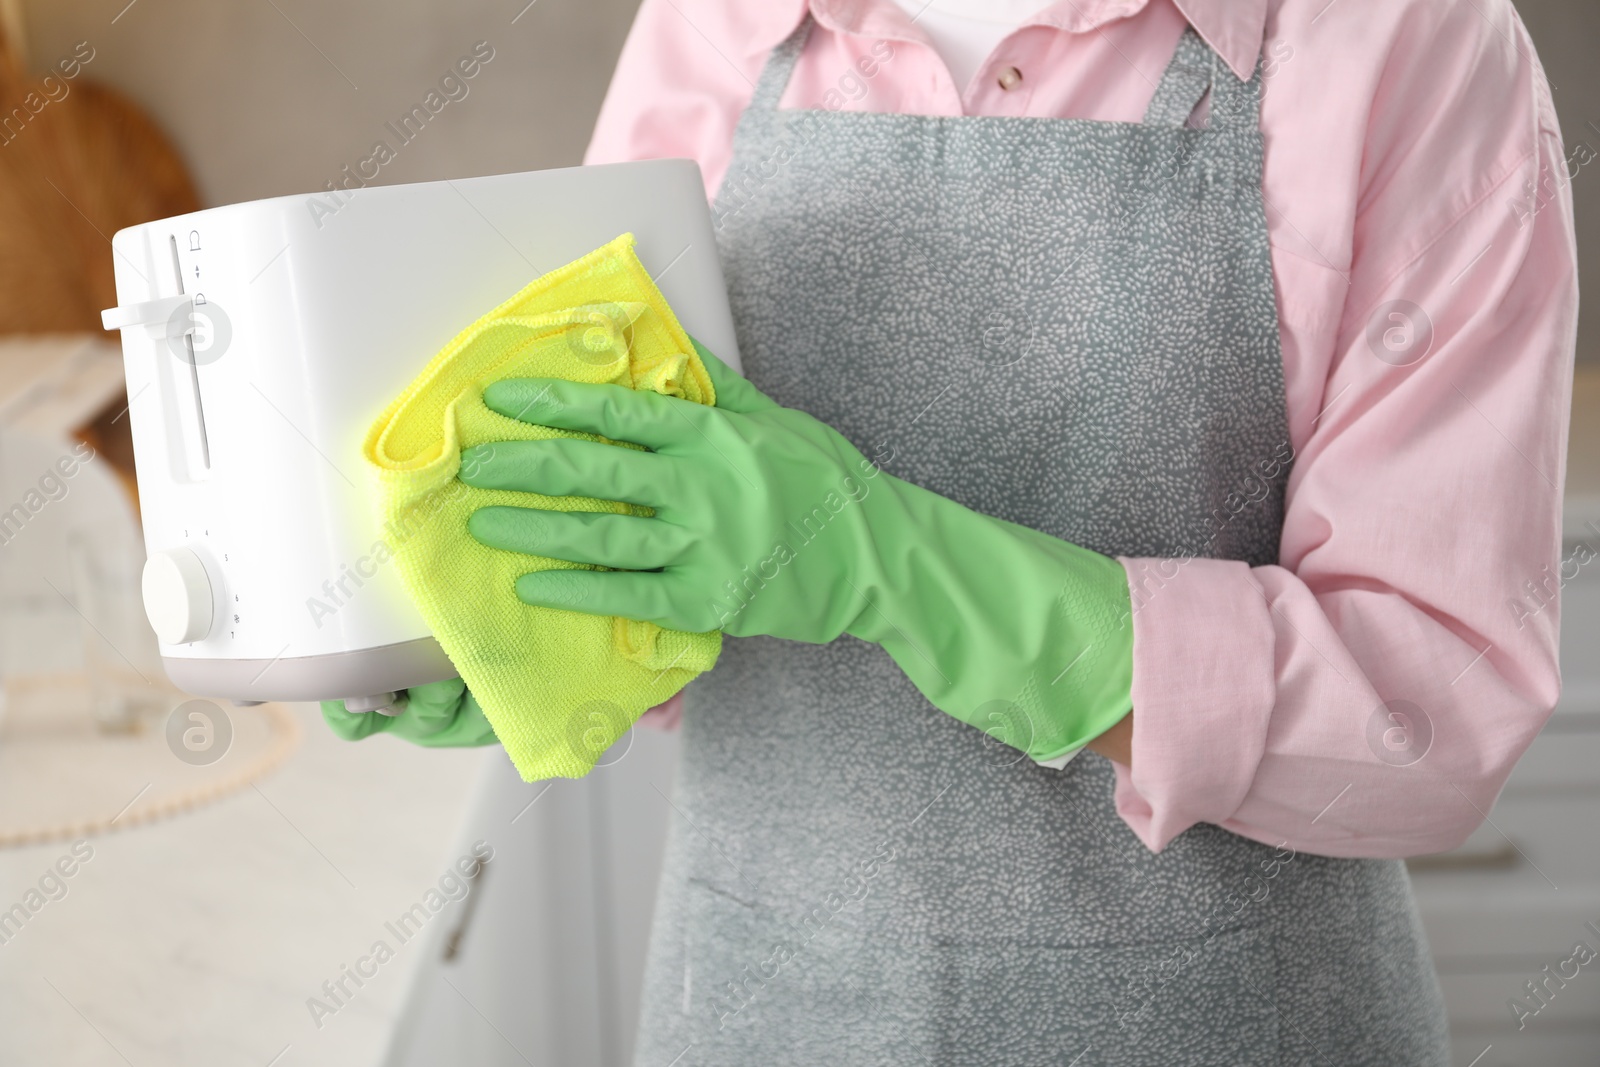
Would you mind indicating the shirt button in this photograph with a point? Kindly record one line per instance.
(1010, 78)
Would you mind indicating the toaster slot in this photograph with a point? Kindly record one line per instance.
(197, 412)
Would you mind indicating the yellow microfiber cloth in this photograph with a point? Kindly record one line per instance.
(557, 686)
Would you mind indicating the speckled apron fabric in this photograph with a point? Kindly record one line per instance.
(1070, 325)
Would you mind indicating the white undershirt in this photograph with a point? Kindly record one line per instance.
(965, 32)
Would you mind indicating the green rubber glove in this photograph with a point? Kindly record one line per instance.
(766, 521)
(436, 715)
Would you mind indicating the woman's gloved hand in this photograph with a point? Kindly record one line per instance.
(437, 715)
(767, 521)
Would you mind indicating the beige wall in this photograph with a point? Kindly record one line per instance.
(1567, 33)
(261, 108)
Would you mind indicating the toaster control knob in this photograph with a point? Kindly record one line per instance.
(177, 596)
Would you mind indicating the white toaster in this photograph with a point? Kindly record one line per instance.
(260, 342)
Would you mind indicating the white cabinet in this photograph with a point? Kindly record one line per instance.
(544, 958)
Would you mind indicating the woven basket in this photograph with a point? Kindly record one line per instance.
(72, 174)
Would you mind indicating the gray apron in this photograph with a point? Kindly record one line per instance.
(1070, 325)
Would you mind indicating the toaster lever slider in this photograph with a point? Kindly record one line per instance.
(146, 313)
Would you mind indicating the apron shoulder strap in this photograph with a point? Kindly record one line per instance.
(1196, 69)
(779, 66)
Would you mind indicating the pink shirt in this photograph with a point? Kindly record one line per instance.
(1412, 153)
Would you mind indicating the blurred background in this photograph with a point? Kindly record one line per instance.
(198, 913)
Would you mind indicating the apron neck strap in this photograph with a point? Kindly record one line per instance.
(779, 66)
(1196, 69)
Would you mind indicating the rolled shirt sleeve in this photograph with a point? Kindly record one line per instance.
(1369, 694)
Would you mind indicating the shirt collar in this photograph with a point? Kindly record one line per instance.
(1235, 28)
